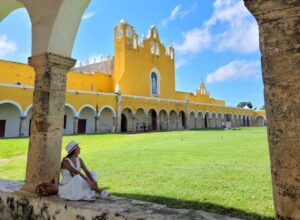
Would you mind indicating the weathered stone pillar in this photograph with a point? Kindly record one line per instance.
(75, 129)
(157, 124)
(133, 124)
(21, 126)
(44, 152)
(279, 25)
(114, 124)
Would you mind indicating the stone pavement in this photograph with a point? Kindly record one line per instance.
(17, 205)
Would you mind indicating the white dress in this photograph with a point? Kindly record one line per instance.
(74, 187)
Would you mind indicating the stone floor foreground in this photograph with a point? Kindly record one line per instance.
(16, 205)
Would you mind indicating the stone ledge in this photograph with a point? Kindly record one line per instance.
(17, 205)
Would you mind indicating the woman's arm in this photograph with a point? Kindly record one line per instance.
(86, 171)
(66, 165)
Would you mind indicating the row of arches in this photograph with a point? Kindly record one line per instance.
(16, 122)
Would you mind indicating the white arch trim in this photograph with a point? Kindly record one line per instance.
(173, 111)
(260, 116)
(208, 114)
(220, 113)
(87, 106)
(194, 113)
(19, 107)
(27, 110)
(109, 107)
(163, 110)
(75, 114)
(201, 114)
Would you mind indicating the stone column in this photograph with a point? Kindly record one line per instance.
(21, 126)
(119, 112)
(75, 129)
(157, 124)
(279, 25)
(133, 124)
(97, 129)
(44, 152)
(114, 124)
(147, 124)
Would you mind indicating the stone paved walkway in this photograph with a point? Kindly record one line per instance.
(111, 208)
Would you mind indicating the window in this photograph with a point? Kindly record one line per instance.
(128, 32)
(154, 84)
(157, 49)
(152, 47)
(119, 32)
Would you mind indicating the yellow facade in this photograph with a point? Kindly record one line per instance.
(143, 77)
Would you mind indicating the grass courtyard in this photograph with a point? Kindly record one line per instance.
(225, 172)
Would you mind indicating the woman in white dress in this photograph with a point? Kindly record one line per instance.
(75, 185)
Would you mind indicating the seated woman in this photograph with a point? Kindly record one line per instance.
(75, 185)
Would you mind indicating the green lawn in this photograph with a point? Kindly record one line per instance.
(225, 172)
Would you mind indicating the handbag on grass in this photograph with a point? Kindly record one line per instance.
(46, 189)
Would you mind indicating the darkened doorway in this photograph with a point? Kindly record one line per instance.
(81, 126)
(2, 128)
(123, 123)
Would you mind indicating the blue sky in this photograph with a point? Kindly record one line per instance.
(215, 41)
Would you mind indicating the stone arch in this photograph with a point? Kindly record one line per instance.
(240, 120)
(86, 119)
(200, 122)
(141, 119)
(152, 120)
(192, 120)
(234, 121)
(244, 121)
(69, 115)
(213, 120)
(106, 120)
(173, 120)
(181, 120)
(10, 113)
(127, 120)
(207, 120)
(163, 120)
(260, 121)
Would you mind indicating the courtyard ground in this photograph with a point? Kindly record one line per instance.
(225, 172)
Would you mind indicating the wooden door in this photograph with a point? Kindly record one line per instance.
(81, 126)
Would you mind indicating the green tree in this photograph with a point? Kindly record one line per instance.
(243, 104)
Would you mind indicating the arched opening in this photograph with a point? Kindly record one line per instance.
(9, 120)
(106, 121)
(140, 119)
(260, 121)
(86, 120)
(181, 120)
(152, 120)
(199, 122)
(244, 121)
(213, 121)
(127, 120)
(163, 120)
(69, 120)
(192, 120)
(172, 120)
(206, 120)
(123, 123)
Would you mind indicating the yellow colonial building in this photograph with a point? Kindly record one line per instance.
(133, 91)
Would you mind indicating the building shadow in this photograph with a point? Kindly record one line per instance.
(196, 205)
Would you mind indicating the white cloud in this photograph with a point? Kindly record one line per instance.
(237, 69)
(6, 46)
(88, 15)
(231, 27)
(178, 12)
(180, 63)
(194, 41)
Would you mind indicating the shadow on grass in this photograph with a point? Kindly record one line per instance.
(196, 205)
